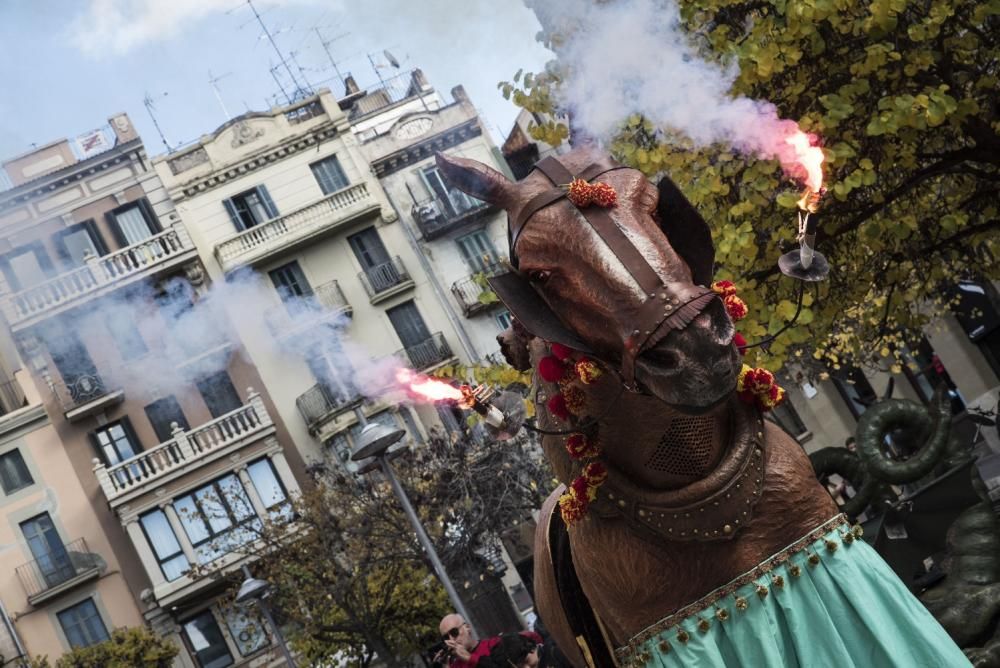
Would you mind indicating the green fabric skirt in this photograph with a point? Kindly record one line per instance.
(826, 600)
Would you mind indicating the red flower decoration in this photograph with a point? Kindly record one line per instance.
(724, 288)
(735, 307)
(603, 195)
(580, 193)
(740, 343)
(580, 446)
(572, 507)
(595, 473)
(557, 406)
(551, 369)
(561, 352)
(579, 487)
(758, 386)
(574, 399)
(587, 371)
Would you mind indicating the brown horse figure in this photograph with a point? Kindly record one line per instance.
(703, 498)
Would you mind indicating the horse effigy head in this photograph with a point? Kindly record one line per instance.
(625, 283)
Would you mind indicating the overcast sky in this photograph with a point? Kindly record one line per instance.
(66, 65)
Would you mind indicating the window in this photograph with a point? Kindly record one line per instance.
(190, 332)
(292, 286)
(116, 442)
(133, 223)
(206, 639)
(329, 174)
(454, 200)
(250, 208)
(14, 474)
(82, 624)
(409, 324)
(218, 518)
(125, 334)
(855, 390)
(477, 251)
(52, 560)
(165, 546)
(26, 266)
(219, 394)
(269, 488)
(75, 365)
(925, 371)
(368, 248)
(162, 414)
(246, 628)
(503, 319)
(77, 241)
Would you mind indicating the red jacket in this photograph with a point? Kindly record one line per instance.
(484, 647)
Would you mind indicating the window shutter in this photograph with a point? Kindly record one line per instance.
(150, 216)
(115, 229)
(272, 211)
(233, 216)
(96, 237)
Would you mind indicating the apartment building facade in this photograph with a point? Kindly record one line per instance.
(146, 408)
(284, 208)
(462, 240)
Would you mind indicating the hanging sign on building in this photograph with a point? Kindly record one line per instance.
(92, 142)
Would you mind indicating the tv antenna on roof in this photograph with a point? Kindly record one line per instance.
(326, 47)
(281, 56)
(214, 83)
(148, 101)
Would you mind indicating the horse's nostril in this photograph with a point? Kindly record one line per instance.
(665, 359)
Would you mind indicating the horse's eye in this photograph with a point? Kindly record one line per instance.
(539, 276)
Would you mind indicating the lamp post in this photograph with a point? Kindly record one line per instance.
(257, 590)
(374, 441)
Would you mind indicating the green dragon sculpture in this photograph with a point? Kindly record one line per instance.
(967, 601)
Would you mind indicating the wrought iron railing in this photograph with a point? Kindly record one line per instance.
(427, 353)
(473, 292)
(326, 299)
(80, 389)
(58, 566)
(383, 276)
(320, 400)
(183, 448)
(436, 216)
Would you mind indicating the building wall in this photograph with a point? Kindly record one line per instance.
(58, 491)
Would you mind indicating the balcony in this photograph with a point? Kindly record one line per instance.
(86, 394)
(436, 216)
(287, 232)
(99, 275)
(59, 570)
(385, 280)
(321, 403)
(326, 304)
(186, 451)
(427, 353)
(473, 292)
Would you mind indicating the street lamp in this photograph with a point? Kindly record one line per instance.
(374, 441)
(254, 589)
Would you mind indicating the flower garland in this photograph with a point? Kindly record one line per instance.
(753, 385)
(560, 367)
(583, 194)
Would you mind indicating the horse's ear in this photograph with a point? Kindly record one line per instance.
(687, 231)
(476, 179)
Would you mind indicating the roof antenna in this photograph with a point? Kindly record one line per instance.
(214, 83)
(326, 47)
(148, 102)
(281, 56)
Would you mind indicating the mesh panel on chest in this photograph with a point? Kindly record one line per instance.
(688, 447)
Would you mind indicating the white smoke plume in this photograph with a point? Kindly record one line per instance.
(633, 56)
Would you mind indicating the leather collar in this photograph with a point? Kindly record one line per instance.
(713, 508)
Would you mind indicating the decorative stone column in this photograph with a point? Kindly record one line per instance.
(255, 500)
(175, 523)
(146, 555)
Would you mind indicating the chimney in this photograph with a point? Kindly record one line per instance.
(350, 86)
(123, 128)
(418, 78)
(459, 95)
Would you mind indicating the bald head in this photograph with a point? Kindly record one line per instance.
(449, 622)
(456, 632)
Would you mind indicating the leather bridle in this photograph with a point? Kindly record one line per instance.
(661, 311)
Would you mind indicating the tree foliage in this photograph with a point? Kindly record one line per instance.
(127, 648)
(903, 97)
(348, 573)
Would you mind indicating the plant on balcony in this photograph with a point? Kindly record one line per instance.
(486, 294)
(127, 648)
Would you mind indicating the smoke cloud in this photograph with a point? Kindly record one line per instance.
(633, 56)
